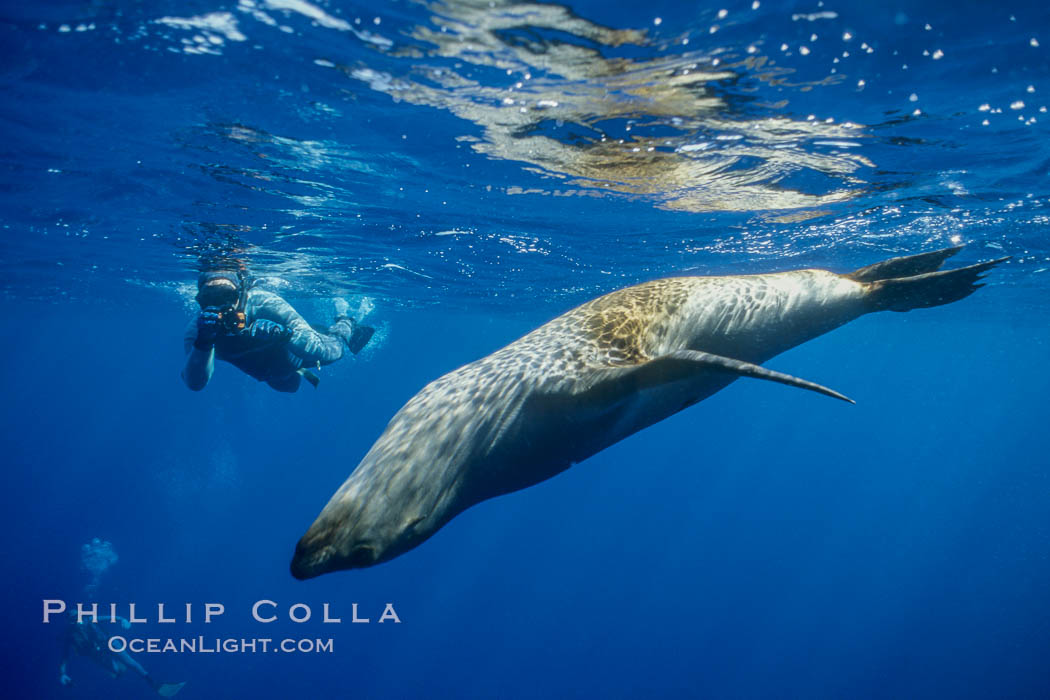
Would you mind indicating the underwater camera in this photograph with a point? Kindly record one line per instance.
(230, 317)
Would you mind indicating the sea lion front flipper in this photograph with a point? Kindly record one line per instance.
(680, 364)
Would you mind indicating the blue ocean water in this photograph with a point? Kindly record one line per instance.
(464, 171)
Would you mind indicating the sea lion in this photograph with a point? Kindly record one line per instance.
(586, 380)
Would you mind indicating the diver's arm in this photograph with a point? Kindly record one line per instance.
(200, 360)
(305, 342)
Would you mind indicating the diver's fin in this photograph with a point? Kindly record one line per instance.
(167, 690)
(682, 364)
(310, 377)
(929, 289)
(907, 266)
(359, 338)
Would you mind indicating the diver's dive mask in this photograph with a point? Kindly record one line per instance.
(222, 292)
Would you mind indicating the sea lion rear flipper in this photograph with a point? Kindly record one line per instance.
(683, 363)
(928, 289)
(907, 266)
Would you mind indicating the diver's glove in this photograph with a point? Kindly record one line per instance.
(264, 329)
(209, 325)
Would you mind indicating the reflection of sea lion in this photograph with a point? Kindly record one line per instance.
(588, 379)
(658, 122)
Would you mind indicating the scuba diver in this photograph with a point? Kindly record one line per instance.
(261, 334)
(88, 639)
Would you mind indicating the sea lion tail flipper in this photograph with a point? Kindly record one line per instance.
(682, 363)
(907, 266)
(167, 690)
(928, 289)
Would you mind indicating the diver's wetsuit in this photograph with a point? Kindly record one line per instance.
(276, 362)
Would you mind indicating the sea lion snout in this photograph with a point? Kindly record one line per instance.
(310, 561)
(317, 550)
(337, 541)
(311, 558)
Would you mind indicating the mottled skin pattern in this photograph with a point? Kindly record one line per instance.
(557, 396)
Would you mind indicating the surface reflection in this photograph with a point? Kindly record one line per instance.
(665, 127)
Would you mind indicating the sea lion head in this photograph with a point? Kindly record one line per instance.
(435, 458)
(404, 490)
(358, 529)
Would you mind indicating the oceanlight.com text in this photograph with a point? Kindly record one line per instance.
(218, 645)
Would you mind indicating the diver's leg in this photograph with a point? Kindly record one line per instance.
(343, 329)
(124, 661)
(288, 384)
(127, 662)
(353, 334)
